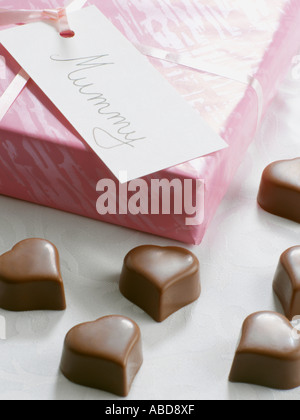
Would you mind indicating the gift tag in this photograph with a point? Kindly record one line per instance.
(121, 106)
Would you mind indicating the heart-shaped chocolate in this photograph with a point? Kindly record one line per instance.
(268, 353)
(160, 280)
(279, 191)
(30, 277)
(286, 283)
(105, 354)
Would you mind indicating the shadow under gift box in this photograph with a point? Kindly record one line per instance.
(43, 160)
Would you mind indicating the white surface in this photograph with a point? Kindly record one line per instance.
(189, 356)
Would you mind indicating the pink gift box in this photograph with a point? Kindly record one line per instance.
(43, 160)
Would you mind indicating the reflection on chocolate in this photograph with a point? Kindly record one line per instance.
(105, 354)
(30, 277)
(160, 280)
(287, 282)
(279, 192)
(268, 353)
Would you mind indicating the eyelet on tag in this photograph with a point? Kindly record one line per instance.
(67, 34)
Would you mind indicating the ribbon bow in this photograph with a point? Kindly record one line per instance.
(59, 16)
(11, 17)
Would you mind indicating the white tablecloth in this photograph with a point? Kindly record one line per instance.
(189, 356)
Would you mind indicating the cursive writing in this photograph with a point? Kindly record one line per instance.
(122, 134)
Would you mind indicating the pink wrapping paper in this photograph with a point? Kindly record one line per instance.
(44, 161)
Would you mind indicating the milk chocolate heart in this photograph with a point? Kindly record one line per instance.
(268, 353)
(279, 191)
(160, 280)
(287, 282)
(105, 354)
(30, 277)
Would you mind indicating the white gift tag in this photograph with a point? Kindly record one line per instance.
(121, 106)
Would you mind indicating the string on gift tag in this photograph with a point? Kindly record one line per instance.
(59, 16)
(9, 17)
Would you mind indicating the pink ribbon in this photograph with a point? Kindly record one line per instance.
(22, 16)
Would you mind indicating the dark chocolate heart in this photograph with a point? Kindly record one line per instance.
(105, 354)
(268, 353)
(30, 277)
(286, 283)
(279, 191)
(160, 280)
